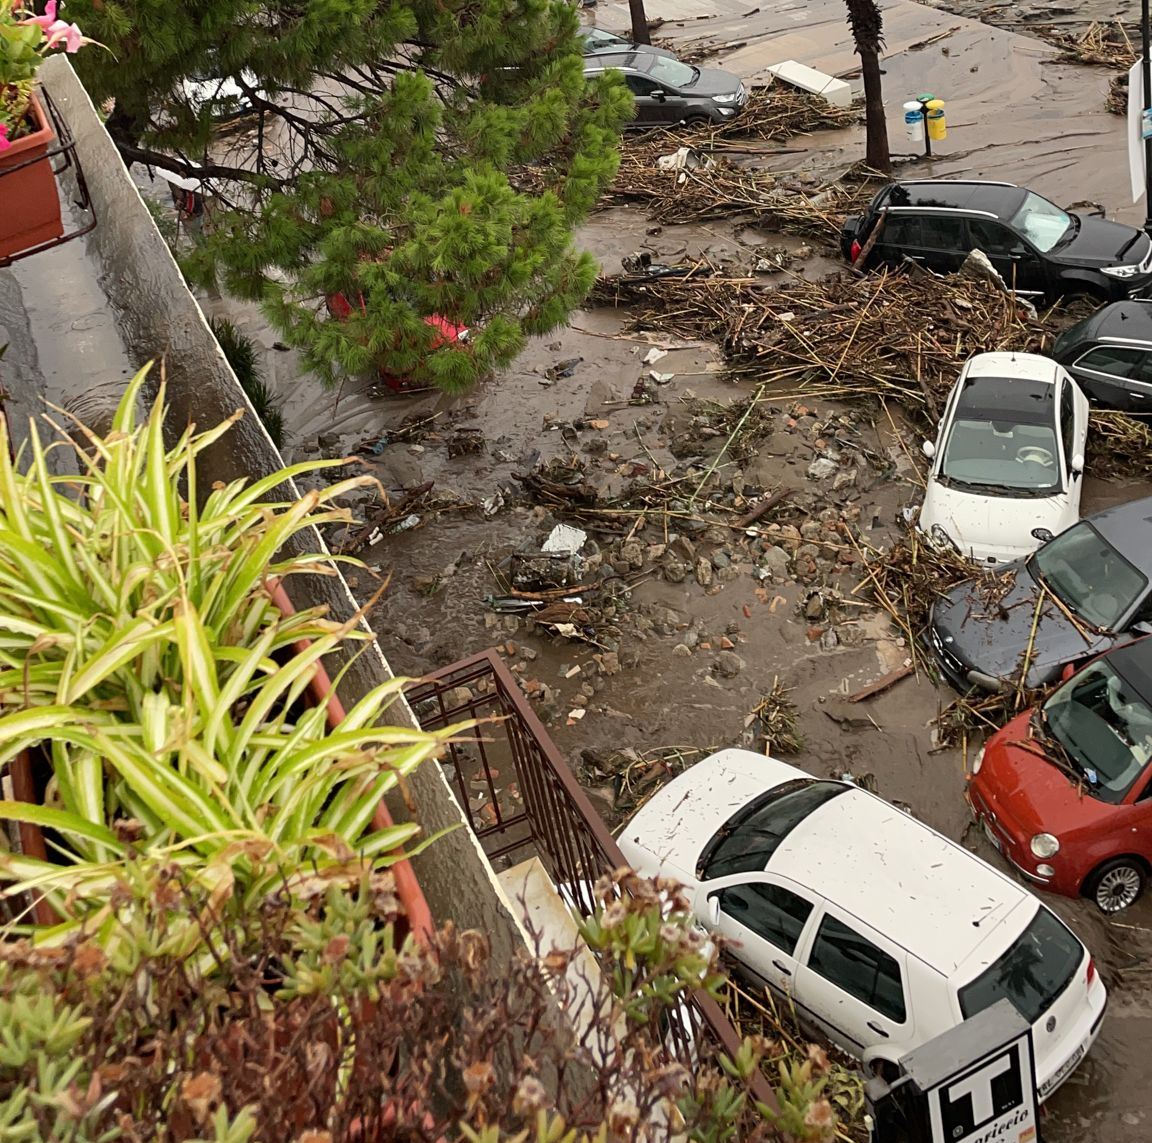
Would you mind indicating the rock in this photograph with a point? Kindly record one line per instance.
(845, 478)
(682, 651)
(790, 536)
(621, 567)
(829, 640)
(726, 644)
(775, 561)
(609, 663)
(632, 553)
(714, 534)
(721, 559)
(822, 468)
(328, 440)
(703, 572)
(811, 530)
(629, 658)
(728, 664)
(727, 574)
(674, 568)
(814, 608)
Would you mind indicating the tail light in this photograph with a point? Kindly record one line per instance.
(1090, 975)
(854, 253)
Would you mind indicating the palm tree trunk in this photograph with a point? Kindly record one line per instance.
(868, 32)
(639, 22)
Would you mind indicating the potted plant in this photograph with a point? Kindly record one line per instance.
(147, 649)
(29, 205)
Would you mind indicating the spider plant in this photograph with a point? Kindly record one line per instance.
(140, 646)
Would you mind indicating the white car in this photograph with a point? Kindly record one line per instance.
(881, 932)
(1007, 464)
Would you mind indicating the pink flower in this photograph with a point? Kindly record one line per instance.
(48, 19)
(67, 34)
(4, 144)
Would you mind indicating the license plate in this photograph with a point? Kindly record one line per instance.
(991, 836)
(1063, 1071)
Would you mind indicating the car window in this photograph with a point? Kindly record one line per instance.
(1105, 725)
(901, 230)
(1067, 422)
(770, 911)
(1041, 222)
(853, 963)
(639, 85)
(990, 237)
(941, 232)
(752, 835)
(1112, 359)
(1143, 369)
(1032, 973)
(673, 72)
(1088, 575)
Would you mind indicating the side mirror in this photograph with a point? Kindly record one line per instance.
(659, 96)
(713, 909)
(928, 448)
(1041, 534)
(1077, 464)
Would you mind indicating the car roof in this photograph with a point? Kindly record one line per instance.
(1008, 399)
(1134, 662)
(1128, 528)
(902, 879)
(999, 199)
(1128, 320)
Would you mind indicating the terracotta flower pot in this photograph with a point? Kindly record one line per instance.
(29, 205)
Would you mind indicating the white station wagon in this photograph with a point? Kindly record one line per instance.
(882, 932)
(1007, 463)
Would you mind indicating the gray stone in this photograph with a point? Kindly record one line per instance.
(632, 553)
(721, 559)
(829, 640)
(682, 651)
(775, 561)
(703, 572)
(814, 608)
(728, 664)
(674, 568)
(822, 468)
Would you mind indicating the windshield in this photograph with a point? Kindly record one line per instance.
(1002, 456)
(1032, 973)
(1105, 726)
(1042, 223)
(598, 38)
(1088, 575)
(673, 72)
(748, 839)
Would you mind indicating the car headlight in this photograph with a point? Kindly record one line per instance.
(941, 538)
(729, 97)
(1128, 271)
(1044, 845)
(977, 762)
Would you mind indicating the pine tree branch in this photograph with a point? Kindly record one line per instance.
(188, 169)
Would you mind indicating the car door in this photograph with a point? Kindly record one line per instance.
(1022, 269)
(854, 985)
(765, 919)
(1073, 414)
(1139, 385)
(1104, 371)
(942, 242)
(652, 104)
(899, 239)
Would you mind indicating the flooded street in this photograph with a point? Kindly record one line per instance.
(698, 613)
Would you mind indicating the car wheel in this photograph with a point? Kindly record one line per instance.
(696, 121)
(1117, 884)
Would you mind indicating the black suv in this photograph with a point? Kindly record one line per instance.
(1110, 355)
(1041, 251)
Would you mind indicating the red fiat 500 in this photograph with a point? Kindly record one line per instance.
(1065, 791)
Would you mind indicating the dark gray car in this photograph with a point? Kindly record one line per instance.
(1093, 594)
(668, 92)
(1110, 354)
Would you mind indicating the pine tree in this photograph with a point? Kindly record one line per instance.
(418, 158)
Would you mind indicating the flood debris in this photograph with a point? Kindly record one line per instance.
(1102, 44)
(633, 776)
(773, 724)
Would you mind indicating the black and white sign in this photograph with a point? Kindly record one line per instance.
(991, 1101)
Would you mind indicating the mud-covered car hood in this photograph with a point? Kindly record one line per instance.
(1100, 242)
(993, 637)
